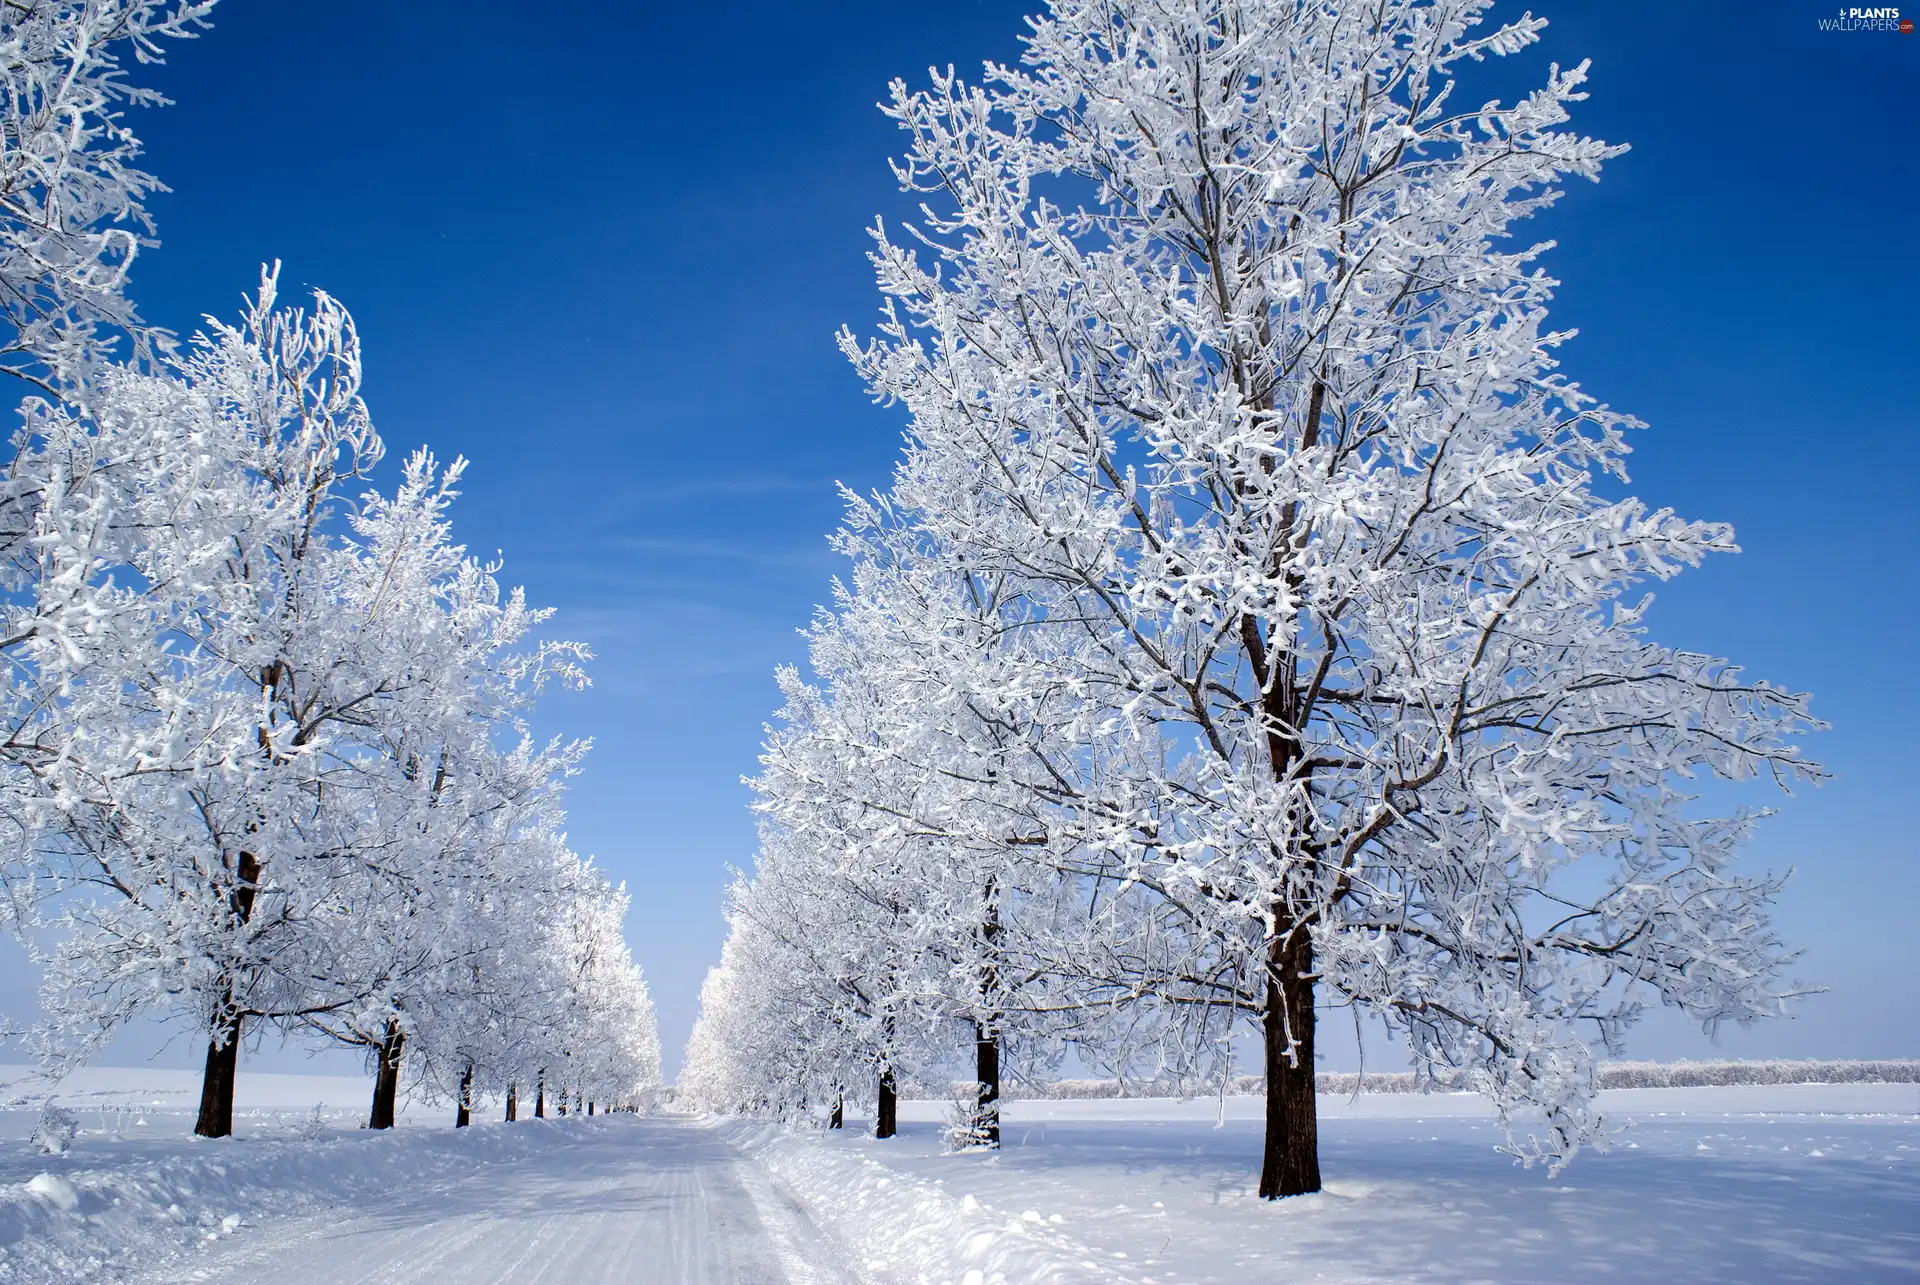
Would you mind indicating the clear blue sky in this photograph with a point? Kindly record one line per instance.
(601, 249)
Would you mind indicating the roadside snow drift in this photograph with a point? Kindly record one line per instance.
(114, 1204)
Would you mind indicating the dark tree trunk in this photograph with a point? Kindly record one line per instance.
(463, 1113)
(1290, 1160)
(223, 1043)
(886, 1113)
(839, 1116)
(589, 1106)
(986, 1070)
(560, 1102)
(1290, 1165)
(513, 1103)
(986, 1038)
(540, 1098)
(216, 1086)
(386, 1078)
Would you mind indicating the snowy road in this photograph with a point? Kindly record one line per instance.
(647, 1200)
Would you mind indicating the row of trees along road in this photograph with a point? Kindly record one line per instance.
(1253, 625)
(266, 758)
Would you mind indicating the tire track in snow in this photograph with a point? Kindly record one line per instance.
(656, 1201)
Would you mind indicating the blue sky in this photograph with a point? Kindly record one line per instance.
(601, 249)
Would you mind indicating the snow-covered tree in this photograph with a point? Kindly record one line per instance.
(432, 788)
(284, 774)
(725, 1055)
(526, 983)
(806, 1005)
(1218, 345)
(71, 221)
(911, 864)
(239, 669)
(263, 743)
(607, 1033)
(73, 214)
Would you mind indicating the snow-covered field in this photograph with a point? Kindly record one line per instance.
(1750, 1184)
(154, 1101)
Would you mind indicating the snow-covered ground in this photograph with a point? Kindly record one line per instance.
(659, 1201)
(1752, 1184)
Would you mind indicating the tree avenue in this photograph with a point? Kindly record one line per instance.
(267, 760)
(1253, 626)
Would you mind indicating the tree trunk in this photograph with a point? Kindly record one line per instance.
(463, 1113)
(839, 1116)
(513, 1103)
(886, 1113)
(386, 1079)
(223, 1044)
(986, 1070)
(1290, 1164)
(540, 1098)
(216, 1086)
(589, 1106)
(1290, 1159)
(986, 1036)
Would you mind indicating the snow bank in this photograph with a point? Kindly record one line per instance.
(110, 1204)
(896, 1228)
